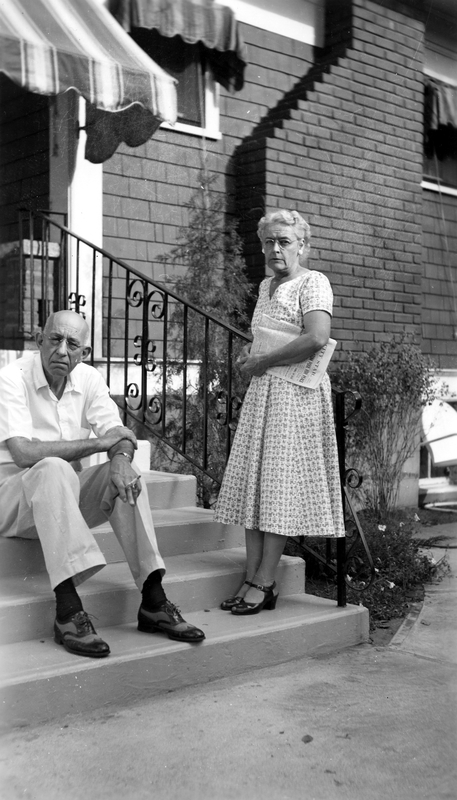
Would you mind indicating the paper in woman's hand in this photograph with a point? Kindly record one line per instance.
(272, 334)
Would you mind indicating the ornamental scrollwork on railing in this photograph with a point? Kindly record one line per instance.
(359, 575)
(357, 405)
(229, 409)
(157, 306)
(145, 357)
(76, 302)
(135, 297)
(133, 393)
(155, 410)
(353, 478)
(155, 299)
(234, 412)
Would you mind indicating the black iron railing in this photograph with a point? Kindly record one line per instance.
(170, 366)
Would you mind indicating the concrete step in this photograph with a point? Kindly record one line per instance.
(42, 682)
(165, 489)
(193, 581)
(178, 530)
(169, 490)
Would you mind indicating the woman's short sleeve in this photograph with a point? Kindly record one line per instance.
(316, 293)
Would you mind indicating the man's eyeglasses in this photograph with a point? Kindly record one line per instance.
(57, 340)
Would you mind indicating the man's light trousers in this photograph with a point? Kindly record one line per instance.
(52, 501)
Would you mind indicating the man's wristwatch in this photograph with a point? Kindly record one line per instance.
(122, 453)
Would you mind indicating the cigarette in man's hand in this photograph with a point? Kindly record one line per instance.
(132, 483)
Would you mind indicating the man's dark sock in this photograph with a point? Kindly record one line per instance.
(67, 600)
(152, 592)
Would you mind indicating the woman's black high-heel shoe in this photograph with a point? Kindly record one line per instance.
(234, 601)
(268, 602)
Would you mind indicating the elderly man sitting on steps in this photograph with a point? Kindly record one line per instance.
(49, 404)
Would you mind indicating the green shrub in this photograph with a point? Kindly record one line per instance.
(402, 566)
(395, 381)
(212, 276)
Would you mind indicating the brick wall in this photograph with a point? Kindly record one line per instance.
(146, 188)
(24, 154)
(336, 133)
(348, 155)
(439, 279)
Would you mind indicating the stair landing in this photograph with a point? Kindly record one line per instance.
(41, 681)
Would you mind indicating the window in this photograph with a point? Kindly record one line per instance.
(440, 156)
(198, 111)
(440, 133)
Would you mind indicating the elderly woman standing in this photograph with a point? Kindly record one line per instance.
(282, 478)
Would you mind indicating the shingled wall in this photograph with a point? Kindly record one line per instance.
(348, 155)
(145, 189)
(439, 279)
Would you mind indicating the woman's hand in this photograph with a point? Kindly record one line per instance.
(254, 366)
(244, 355)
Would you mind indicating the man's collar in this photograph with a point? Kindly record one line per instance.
(39, 378)
(72, 384)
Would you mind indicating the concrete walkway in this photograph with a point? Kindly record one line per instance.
(363, 724)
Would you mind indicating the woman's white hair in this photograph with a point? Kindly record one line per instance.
(292, 218)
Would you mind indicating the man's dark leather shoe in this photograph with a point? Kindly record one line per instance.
(79, 637)
(167, 619)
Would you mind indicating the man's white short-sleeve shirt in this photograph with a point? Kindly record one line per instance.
(28, 407)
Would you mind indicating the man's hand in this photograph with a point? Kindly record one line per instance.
(115, 435)
(125, 479)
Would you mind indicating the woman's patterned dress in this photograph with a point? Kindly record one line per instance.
(282, 475)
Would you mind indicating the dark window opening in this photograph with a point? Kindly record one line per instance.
(440, 155)
(183, 61)
(440, 132)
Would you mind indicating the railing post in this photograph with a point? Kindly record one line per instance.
(32, 272)
(108, 322)
(144, 352)
(184, 379)
(165, 362)
(44, 278)
(21, 275)
(64, 267)
(340, 424)
(229, 395)
(205, 394)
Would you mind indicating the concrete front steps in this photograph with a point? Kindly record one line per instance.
(41, 681)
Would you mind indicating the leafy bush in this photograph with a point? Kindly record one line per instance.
(400, 561)
(209, 254)
(402, 566)
(395, 381)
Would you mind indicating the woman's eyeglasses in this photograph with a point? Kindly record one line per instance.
(283, 243)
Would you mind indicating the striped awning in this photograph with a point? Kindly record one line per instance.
(212, 24)
(51, 46)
